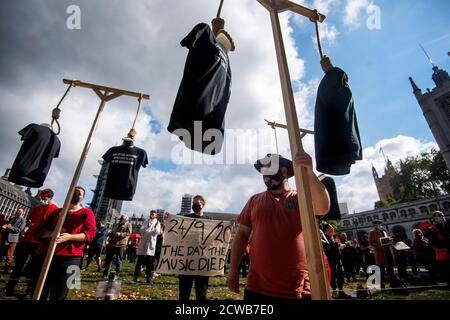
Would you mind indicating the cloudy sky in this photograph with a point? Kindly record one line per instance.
(134, 45)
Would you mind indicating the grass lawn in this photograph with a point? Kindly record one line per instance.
(165, 287)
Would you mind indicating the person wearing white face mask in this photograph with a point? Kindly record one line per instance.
(439, 237)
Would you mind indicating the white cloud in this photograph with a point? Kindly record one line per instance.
(151, 61)
(354, 11)
(358, 188)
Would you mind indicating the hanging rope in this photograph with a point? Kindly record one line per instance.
(220, 9)
(218, 23)
(56, 112)
(276, 137)
(325, 61)
(132, 133)
(316, 23)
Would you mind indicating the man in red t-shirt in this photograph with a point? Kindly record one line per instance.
(30, 242)
(278, 268)
(78, 228)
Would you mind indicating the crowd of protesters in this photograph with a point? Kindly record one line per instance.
(349, 259)
(24, 241)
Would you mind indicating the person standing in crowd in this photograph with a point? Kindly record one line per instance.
(439, 237)
(334, 257)
(118, 240)
(96, 246)
(348, 253)
(380, 242)
(132, 246)
(278, 268)
(359, 262)
(30, 242)
(186, 281)
(78, 228)
(147, 248)
(13, 231)
(424, 253)
(159, 244)
(401, 259)
(367, 254)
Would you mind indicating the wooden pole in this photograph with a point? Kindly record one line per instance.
(104, 97)
(313, 243)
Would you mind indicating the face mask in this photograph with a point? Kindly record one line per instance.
(44, 202)
(196, 208)
(274, 182)
(76, 199)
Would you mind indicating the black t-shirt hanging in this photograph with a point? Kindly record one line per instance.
(336, 133)
(204, 92)
(335, 212)
(124, 164)
(40, 146)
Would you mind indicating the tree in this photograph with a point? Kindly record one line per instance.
(385, 203)
(419, 177)
(439, 171)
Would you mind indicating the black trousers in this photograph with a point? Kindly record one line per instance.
(57, 284)
(185, 287)
(149, 262)
(118, 253)
(337, 275)
(23, 251)
(251, 296)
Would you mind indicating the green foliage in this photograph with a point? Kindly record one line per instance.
(419, 177)
(386, 203)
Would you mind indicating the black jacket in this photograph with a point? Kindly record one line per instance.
(337, 140)
(204, 91)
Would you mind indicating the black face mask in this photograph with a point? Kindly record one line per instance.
(269, 181)
(75, 199)
(196, 208)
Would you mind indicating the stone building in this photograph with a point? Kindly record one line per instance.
(397, 220)
(13, 197)
(435, 105)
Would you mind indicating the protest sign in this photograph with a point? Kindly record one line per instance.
(194, 246)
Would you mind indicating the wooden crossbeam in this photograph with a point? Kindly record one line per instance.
(284, 5)
(78, 83)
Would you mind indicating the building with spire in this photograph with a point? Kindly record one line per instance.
(383, 183)
(435, 105)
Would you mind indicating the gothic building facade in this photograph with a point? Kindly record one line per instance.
(435, 105)
(383, 183)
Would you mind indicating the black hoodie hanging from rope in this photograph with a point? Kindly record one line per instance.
(337, 140)
(336, 132)
(204, 92)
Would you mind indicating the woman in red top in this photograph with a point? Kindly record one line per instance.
(30, 242)
(78, 228)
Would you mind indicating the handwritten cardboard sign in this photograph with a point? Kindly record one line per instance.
(194, 246)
